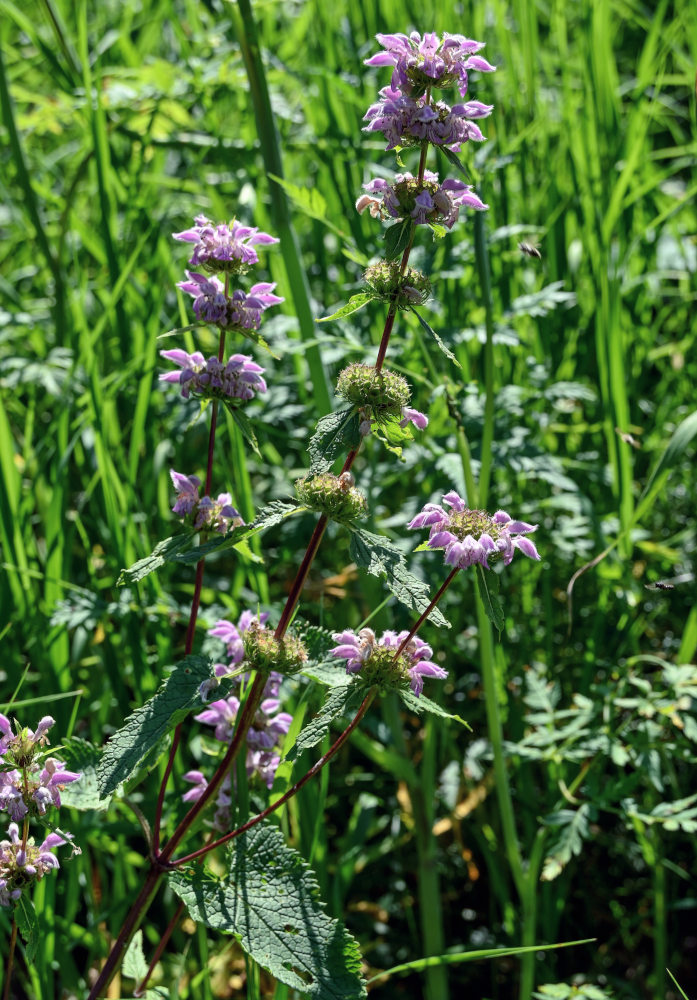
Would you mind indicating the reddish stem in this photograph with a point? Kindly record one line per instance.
(428, 611)
(300, 577)
(315, 769)
(244, 721)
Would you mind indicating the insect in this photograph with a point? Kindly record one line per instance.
(346, 481)
(627, 438)
(660, 585)
(529, 250)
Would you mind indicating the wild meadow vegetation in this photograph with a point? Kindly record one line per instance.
(554, 799)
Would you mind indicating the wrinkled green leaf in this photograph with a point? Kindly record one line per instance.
(335, 433)
(429, 329)
(79, 755)
(270, 900)
(342, 700)
(175, 699)
(420, 703)
(161, 554)
(182, 548)
(380, 557)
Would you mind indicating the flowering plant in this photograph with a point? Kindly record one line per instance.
(246, 740)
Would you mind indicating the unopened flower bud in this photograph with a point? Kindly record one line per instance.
(331, 495)
(264, 652)
(386, 280)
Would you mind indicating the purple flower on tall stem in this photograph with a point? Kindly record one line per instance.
(239, 378)
(231, 635)
(375, 658)
(223, 247)
(426, 202)
(425, 62)
(473, 536)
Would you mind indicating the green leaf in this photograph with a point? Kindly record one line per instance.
(309, 201)
(380, 556)
(488, 587)
(573, 827)
(161, 554)
(245, 426)
(182, 548)
(134, 962)
(270, 900)
(79, 755)
(397, 238)
(429, 329)
(329, 672)
(456, 162)
(335, 433)
(175, 699)
(342, 701)
(355, 303)
(27, 925)
(272, 514)
(420, 703)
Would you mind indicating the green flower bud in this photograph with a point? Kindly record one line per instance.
(335, 496)
(262, 651)
(386, 280)
(383, 391)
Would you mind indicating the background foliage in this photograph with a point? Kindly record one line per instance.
(121, 121)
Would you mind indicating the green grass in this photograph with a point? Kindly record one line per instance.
(120, 123)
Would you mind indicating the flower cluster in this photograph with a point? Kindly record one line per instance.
(427, 202)
(239, 378)
(223, 248)
(204, 513)
(238, 311)
(30, 783)
(22, 863)
(408, 122)
(420, 63)
(377, 663)
(473, 536)
(405, 113)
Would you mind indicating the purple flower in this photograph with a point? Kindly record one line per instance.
(239, 378)
(428, 202)
(375, 658)
(187, 488)
(406, 121)
(223, 247)
(415, 417)
(231, 635)
(239, 311)
(21, 865)
(204, 513)
(473, 536)
(210, 300)
(425, 62)
(52, 780)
